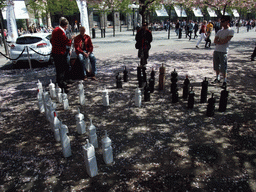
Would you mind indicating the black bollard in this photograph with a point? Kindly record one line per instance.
(204, 91)
(146, 93)
(152, 81)
(223, 100)
(125, 72)
(93, 33)
(210, 107)
(186, 88)
(118, 81)
(191, 99)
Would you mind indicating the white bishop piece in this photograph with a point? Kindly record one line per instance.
(65, 100)
(65, 141)
(107, 149)
(58, 94)
(52, 89)
(80, 124)
(105, 97)
(92, 135)
(81, 93)
(138, 97)
(90, 159)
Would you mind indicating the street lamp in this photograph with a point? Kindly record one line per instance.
(133, 6)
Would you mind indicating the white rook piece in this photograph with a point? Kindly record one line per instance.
(56, 125)
(81, 93)
(40, 101)
(92, 135)
(58, 94)
(80, 124)
(107, 149)
(65, 141)
(105, 97)
(90, 159)
(52, 89)
(138, 97)
(65, 100)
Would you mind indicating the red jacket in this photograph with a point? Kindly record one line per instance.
(79, 44)
(59, 41)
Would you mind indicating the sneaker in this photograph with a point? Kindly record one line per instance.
(224, 85)
(94, 78)
(216, 81)
(197, 47)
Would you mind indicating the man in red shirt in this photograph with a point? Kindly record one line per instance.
(84, 48)
(59, 43)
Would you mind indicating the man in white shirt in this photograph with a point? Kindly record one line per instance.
(222, 40)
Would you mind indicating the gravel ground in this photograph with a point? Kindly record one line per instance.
(162, 146)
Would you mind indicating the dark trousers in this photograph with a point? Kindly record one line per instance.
(143, 55)
(254, 53)
(62, 69)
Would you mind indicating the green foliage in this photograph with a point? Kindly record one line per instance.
(62, 7)
(2, 3)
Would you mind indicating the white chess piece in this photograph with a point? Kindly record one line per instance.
(105, 97)
(80, 124)
(52, 89)
(92, 135)
(65, 100)
(138, 97)
(81, 93)
(65, 141)
(107, 149)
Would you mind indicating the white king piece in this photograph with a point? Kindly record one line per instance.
(65, 141)
(107, 149)
(105, 97)
(52, 89)
(80, 124)
(81, 93)
(92, 135)
(90, 159)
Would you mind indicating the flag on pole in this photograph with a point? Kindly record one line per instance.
(11, 22)
(82, 6)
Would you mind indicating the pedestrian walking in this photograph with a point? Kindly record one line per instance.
(209, 29)
(59, 43)
(190, 29)
(143, 39)
(202, 33)
(196, 27)
(84, 50)
(222, 40)
(177, 27)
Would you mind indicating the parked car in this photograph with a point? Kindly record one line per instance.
(40, 42)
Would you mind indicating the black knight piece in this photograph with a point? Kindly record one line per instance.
(204, 91)
(211, 106)
(223, 100)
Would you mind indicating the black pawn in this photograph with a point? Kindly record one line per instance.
(191, 99)
(204, 91)
(210, 107)
(223, 100)
(146, 93)
(152, 81)
(118, 81)
(125, 72)
(186, 88)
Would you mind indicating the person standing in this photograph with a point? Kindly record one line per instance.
(143, 39)
(177, 27)
(84, 49)
(202, 33)
(59, 43)
(209, 29)
(222, 40)
(195, 29)
(190, 29)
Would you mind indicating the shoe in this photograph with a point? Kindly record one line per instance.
(224, 85)
(216, 81)
(94, 78)
(197, 47)
(85, 78)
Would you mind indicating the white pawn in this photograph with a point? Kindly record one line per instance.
(107, 149)
(40, 101)
(105, 97)
(58, 94)
(92, 135)
(52, 89)
(65, 141)
(80, 124)
(138, 97)
(65, 100)
(81, 93)
(90, 159)
(40, 86)
(56, 129)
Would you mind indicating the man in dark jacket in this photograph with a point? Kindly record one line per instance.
(143, 39)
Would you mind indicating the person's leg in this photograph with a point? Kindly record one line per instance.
(223, 67)
(83, 62)
(253, 54)
(199, 40)
(93, 63)
(216, 62)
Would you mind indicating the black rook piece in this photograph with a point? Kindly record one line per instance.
(186, 88)
(223, 100)
(191, 99)
(125, 74)
(204, 91)
(118, 81)
(210, 107)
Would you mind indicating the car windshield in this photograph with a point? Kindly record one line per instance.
(28, 40)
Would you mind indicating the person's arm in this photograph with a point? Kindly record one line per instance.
(220, 41)
(77, 43)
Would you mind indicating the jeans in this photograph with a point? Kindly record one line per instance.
(83, 60)
(62, 69)
(201, 37)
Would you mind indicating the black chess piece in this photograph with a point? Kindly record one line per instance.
(204, 91)
(152, 81)
(223, 100)
(118, 81)
(125, 72)
(186, 88)
(210, 107)
(191, 99)
(146, 93)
